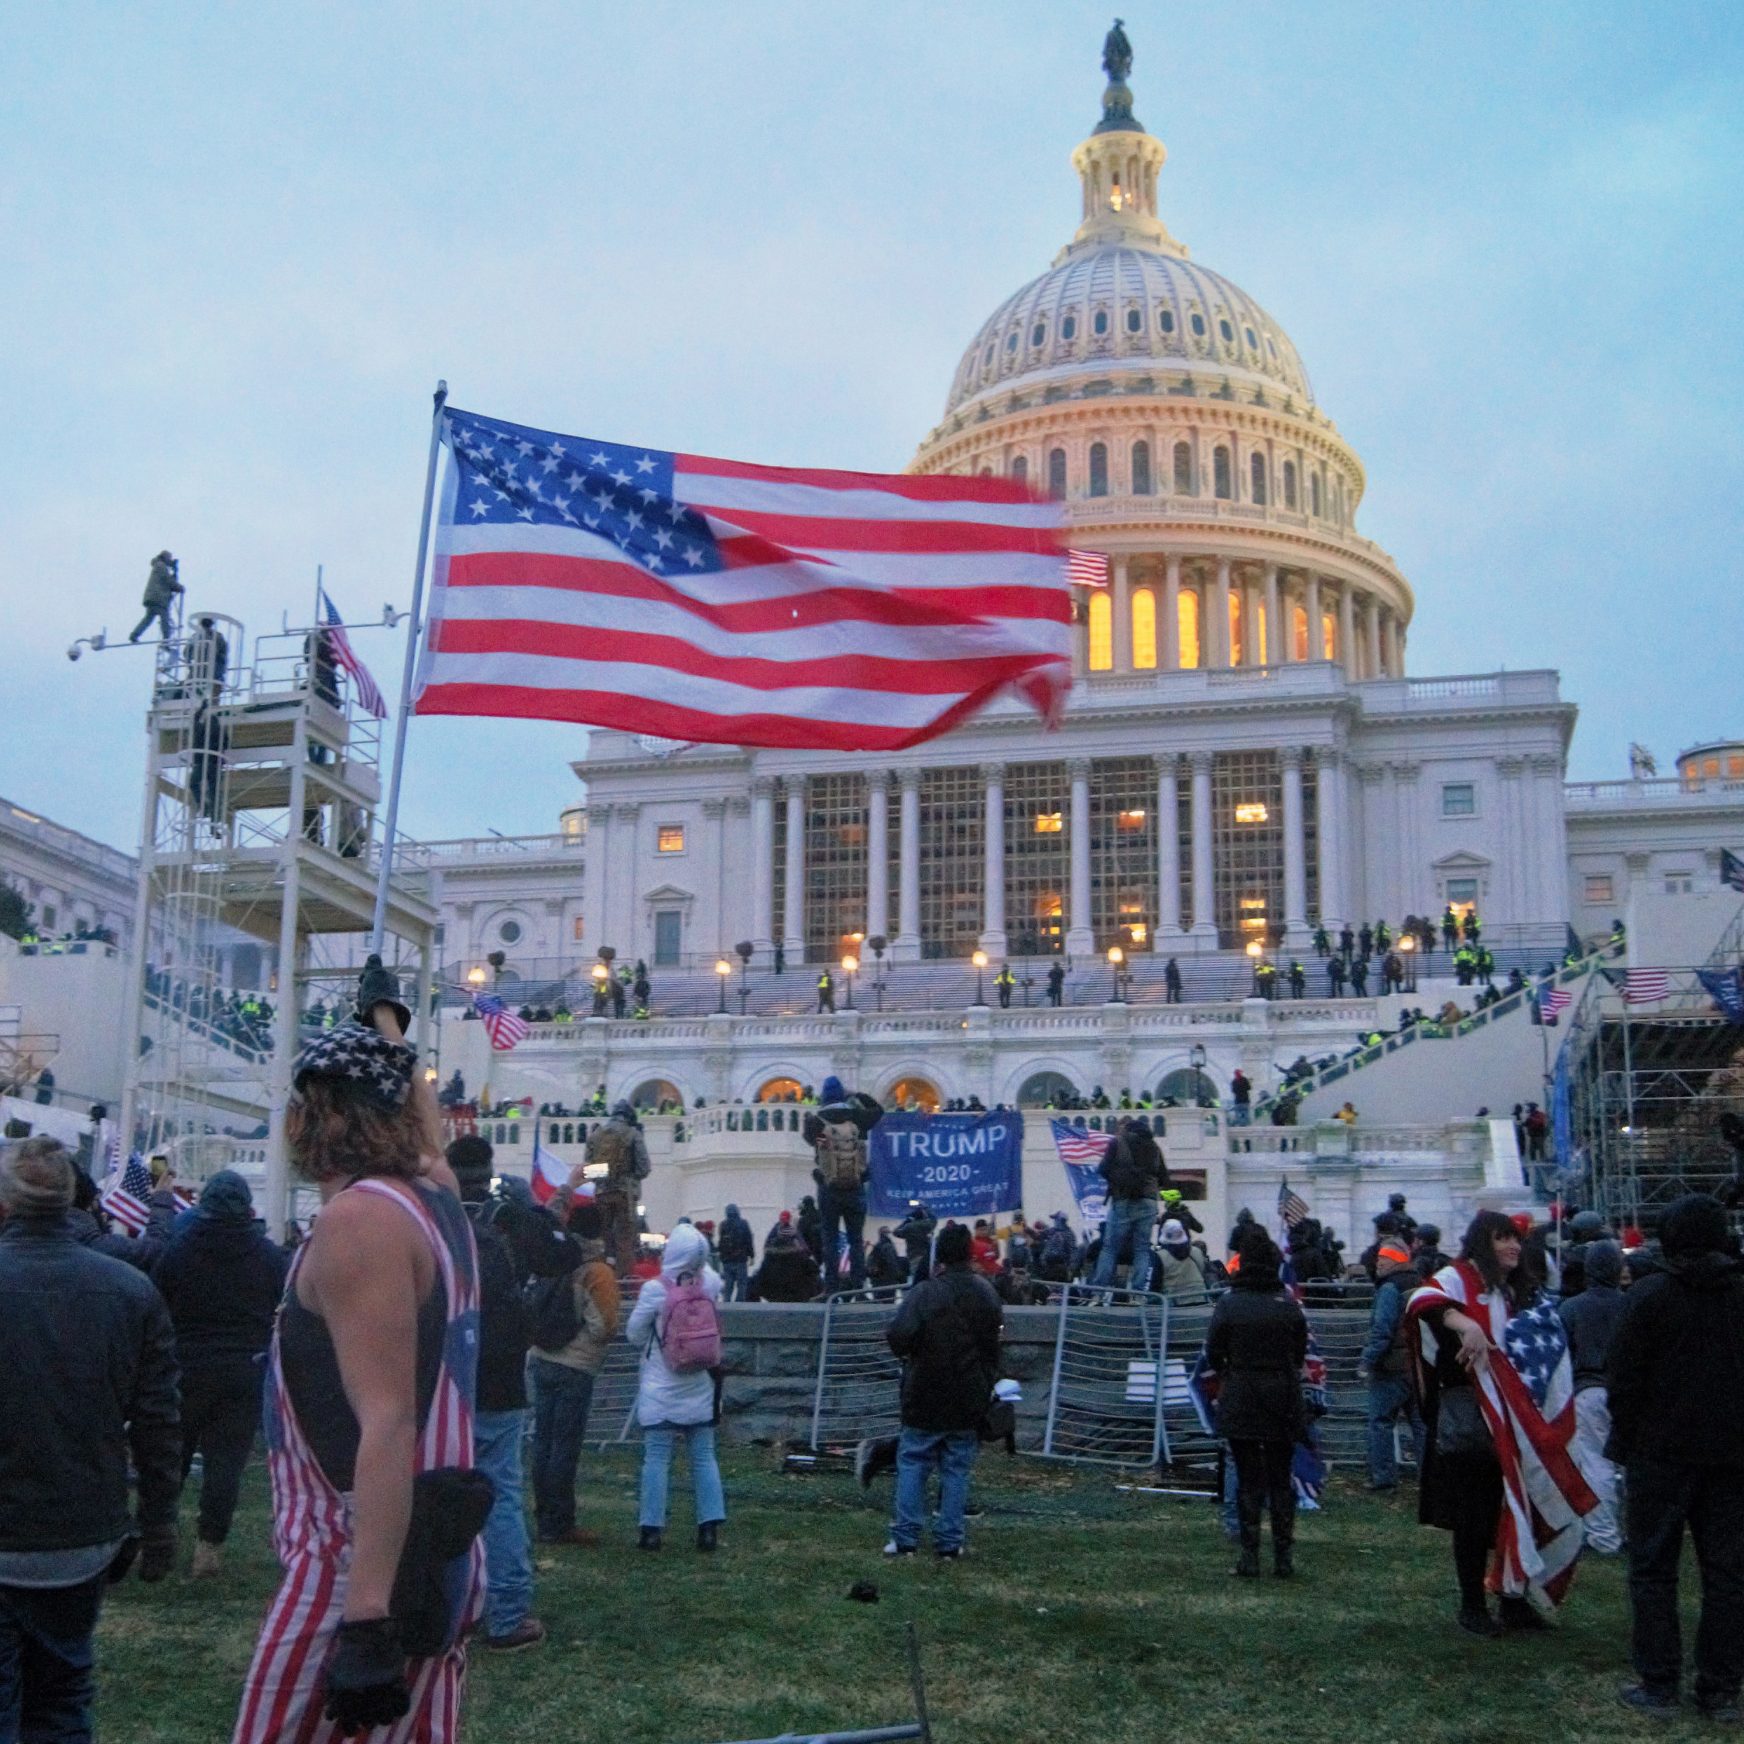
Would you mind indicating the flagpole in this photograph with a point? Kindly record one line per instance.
(378, 924)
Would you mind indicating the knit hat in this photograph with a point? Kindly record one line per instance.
(1586, 1226)
(226, 1196)
(1604, 1262)
(832, 1090)
(36, 1178)
(953, 1244)
(785, 1217)
(353, 1054)
(1695, 1224)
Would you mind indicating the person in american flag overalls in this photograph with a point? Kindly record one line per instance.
(370, 1383)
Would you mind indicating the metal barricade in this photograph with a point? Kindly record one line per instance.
(1110, 1379)
(859, 1379)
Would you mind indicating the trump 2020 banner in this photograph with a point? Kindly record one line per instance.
(962, 1165)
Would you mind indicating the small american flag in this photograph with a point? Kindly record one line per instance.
(124, 1199)
(503, 1026)
(1551, 1000)
(1087, 569)
(369, 695)
(1644, 986)
(1292, 1207)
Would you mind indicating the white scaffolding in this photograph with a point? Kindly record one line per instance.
(261, 789)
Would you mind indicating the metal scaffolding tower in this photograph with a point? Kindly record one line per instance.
(261, 790)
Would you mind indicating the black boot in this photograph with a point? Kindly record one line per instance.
(650, 1539)
(1248, 1564)
(1283, 1560)
(708, 1535)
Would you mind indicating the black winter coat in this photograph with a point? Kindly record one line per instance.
(503, 1329)
(734, 1242)
(87, 1378)
(1257, 1343)
(1676, 1370)
(947, 1334)
(222, 1281)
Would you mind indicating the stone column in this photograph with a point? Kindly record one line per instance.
(1295, 856)
(1168, 849)
(1080, 935)
(1120, 575)
(1511, 892)
(620, 917)
(1204, 898)
(793, 905)
(907, 945)
(1407, 897)
(1169, 626)
(993, 858)
(1549, 840)
(877, 853)
(714, 811)
(1316, 634)
(1372, 636)
(1276, 639)
(1219, 618)
(1347, 629)
(1329, 817)
(762, 863)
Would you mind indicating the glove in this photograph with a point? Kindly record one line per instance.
(380, 986)
(366, 1677)
(157, 1556)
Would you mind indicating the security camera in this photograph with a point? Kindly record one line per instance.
(74, 652)
(391, 617)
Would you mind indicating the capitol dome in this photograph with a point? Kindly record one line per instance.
(1135, 313)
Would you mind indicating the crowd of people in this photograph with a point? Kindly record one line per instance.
(433, 1344)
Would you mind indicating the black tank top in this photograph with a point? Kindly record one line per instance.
(311, 1371)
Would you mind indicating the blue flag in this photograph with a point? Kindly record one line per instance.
(1727, 987)
(962, 1165)
(1732, 869)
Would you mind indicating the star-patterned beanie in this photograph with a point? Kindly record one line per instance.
(358, 1055)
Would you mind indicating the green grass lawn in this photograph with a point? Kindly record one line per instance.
(1081, 1614)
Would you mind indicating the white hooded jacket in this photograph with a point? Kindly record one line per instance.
(663, 1397)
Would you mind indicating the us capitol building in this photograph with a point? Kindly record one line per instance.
(1243, 757)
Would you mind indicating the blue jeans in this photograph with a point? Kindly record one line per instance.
(736, 1276)
(1389, 1396)
(508, 1570)
(1139, 1216)
(917, 1452)
(48, 1682)
(561, 1397)
(846, 1212)
(705, 1472)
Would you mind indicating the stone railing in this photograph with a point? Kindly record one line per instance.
(1665, 792)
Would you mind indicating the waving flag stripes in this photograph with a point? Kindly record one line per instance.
(1081, 1153)
(369, 696)
(504, 1027)
(125, 1196)
(1526, 1394)
(1087, 568)
(716, 602)
(1645, 986)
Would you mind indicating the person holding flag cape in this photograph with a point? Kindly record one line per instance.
(1501, 1467)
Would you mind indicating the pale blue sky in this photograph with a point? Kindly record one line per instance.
(238, 246)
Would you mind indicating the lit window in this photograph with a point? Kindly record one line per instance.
(1166, 320)
(1462, 893)
(1134, 320)
(1299, 632)
(670, 839)
(1132, 819)
(1328, 636)
(1188, 627)
(1598, 888)
(1069, 327)
(1099, 322)
(1099, 469)
(509, 932)
(1101, 632)
(1050, 823)
(1144, 629)
(1251, 812)
(1458, 799)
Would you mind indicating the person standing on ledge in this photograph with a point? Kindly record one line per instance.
(162, 585)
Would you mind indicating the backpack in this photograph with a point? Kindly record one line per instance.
(840, 1151)
(1057, 1250)
(689, 1327)
(553, 1319)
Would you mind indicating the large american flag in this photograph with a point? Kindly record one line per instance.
(125, 1196)
(717, 602)
(1526, 1394)
(1087, 568)
(1645, 986)
(504, 1027)
(369, 696)
(1081, 1152)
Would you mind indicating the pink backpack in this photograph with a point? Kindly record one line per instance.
(689, 1328)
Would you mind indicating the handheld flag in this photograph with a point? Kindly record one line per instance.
(504, 1027)
(1080, 1152)
(124, 1197)
(548, 1174)
(1292, 1207)
(369, 696)
(717, 602)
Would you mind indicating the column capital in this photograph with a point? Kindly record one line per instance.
(1291, 756)
(793, 786)
(1510, 768)
(992, 771)
(762, 786)
(1167, 762)
(1406, 771)
(1172, 567)
(878, 780)
(1201, 761)
(1371, 773)
(1327, 757)
(910, 779)
(626, 811)
(714, 808)
(1546, 763)
(1078, 768)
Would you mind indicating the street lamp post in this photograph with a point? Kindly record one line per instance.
(600, 974)
(1197, 1056)
(1407, 948)
(979, 959)
(850, 964)
(1116, 956)
(1255, 951)
(722, 970)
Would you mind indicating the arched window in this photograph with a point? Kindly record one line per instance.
(1011, 342)
(1227, 331)
(1099, 323)
(1289, 484)
(1188, 1089)
(1256, 472)
(1299, 633)
(1166, 320)
(1220, 479)
(1314, 493)
(1046, 1090)
(1057, 473)
(1069, 328)
(1187, 627)
(987, 355)
(1101, 631)
(1020, 467)
(779, 1090)
(1038, 333)
(652, 1092)
(1144, 629)
(1134, 320)
(1197, 323)
(1099, 469)
(1237, 624)
(1142, 483)
(920, 1093)
(1183, 469)
(1328, 636)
